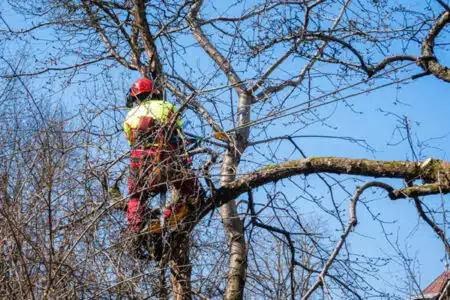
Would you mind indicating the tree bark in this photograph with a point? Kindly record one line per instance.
(433, 172)
(233, 225)
(429, 62)
(149, 44)
(235, 233)
(180, 267)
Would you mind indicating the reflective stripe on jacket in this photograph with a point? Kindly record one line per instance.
(159, 110)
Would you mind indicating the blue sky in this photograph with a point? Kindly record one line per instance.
(424, 102)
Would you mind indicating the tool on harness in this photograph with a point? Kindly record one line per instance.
(219, 135)
(222, 136)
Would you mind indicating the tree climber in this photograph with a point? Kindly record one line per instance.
(158, 158)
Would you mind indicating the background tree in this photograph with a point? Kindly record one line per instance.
(248, 69)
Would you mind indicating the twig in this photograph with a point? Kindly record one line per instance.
(353, 221)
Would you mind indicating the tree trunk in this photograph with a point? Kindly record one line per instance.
(180, 267)
(235, 234)
(233, 225)
(230, 218)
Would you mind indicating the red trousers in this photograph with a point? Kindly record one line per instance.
(152, 171)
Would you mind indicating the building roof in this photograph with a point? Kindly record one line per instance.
(438, 284)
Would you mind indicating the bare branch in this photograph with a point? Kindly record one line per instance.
(430, 171)
(40, 25)
(75, 66)
(131, 40)
(101, 32)
(388, 60)
(350, 225)
(429, 62)
(198, 107)
(444, 5)
(149, 43)
(212, 51)
(299, 78)
(439, 232)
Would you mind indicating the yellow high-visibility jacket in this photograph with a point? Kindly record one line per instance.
(158, 110)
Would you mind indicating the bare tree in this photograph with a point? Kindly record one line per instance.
(237, 69)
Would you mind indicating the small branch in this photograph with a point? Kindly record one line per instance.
(299, 79)
(388, 60)
(353, 221)
(207, 166)
(298, 41)
(275, 65)
(175, 17)
(12, 228)
(361, 142)
(432, 224)
(331, 38)
(40, 25)
(198, 107)
(286, 234)
(101, 32)
(132, 42)
(75, 66)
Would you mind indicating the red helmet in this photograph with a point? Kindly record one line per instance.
(142, 85)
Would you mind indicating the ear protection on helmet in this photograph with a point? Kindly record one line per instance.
(129, 100)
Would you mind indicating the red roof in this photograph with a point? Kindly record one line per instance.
(438, 284)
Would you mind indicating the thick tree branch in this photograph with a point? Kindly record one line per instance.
(433, 172)
(430, 62)
(209, 48)
(149, 43)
